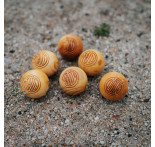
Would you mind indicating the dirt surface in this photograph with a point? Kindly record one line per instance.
(86, 119)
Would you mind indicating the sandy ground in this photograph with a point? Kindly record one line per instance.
(86, 119)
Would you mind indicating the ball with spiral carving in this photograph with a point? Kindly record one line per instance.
(34, 83)
(46, 61)
(92, 62)
(70, 46)
(113, 86)
(73, 80)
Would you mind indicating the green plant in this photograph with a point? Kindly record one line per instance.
(102, 30)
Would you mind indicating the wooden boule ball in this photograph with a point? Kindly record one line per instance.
(70, 46)
(46, 61)
(92, 62)
(113, 86)
(34, 83)
(73, 80)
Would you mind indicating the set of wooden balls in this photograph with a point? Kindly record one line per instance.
(73, 80)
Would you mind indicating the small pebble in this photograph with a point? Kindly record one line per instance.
(102, 142)
(146, 124)
(62, 6)
(67, 121)
(129, 135)
(140, 34)
(118, 40)
(130, 119)
(106, 56)
(12, 51)
(146, 100)
(84, 30)
(19, 112)
(97, 118)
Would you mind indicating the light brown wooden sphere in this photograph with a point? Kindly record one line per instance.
(73, 80)
(46, 61)
(92, 62)
(113, 86)
(35, 83)
(70, 46)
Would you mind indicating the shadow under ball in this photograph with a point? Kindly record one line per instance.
(46, 61)
(73, 80)
(70, 46)
(92, 62)
(35, 83)
(113, 86)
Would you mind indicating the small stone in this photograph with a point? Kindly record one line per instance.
(84, 30)
(146, 124)
(130, 119)
(97, 118)
(62, 6)
(14, 69)
(146, 100)
(102, 142)
(126, 54)
(19, 112)
(115, 131)
(55, 128)
(93, 135)
(67, 121)
(140, 34)
(129, 135)
(12, 51)
(118, 40)
(106, 56)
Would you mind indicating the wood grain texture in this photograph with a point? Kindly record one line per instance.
(113, 86)
(35, 83)
(73, 80)
(70, 46)
(92, 62)
(46, 61)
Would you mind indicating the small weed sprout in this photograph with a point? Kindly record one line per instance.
(102, 30)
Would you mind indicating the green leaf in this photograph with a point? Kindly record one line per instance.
(102, 30)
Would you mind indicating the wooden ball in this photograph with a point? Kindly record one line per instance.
(35, 83)
(70, 46)
(92, 62)
(113, 86)
(73, 80)
(46, 61)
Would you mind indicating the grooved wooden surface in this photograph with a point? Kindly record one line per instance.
(70, 46)
(92, 62)
(34, 83)
(73, 80)
(46, 61)
(113, 86)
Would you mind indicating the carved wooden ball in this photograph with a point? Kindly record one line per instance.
(35, 83)
(46, 61)
(113, 86)
(73, 80)
(92, 62)
(70, 46)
